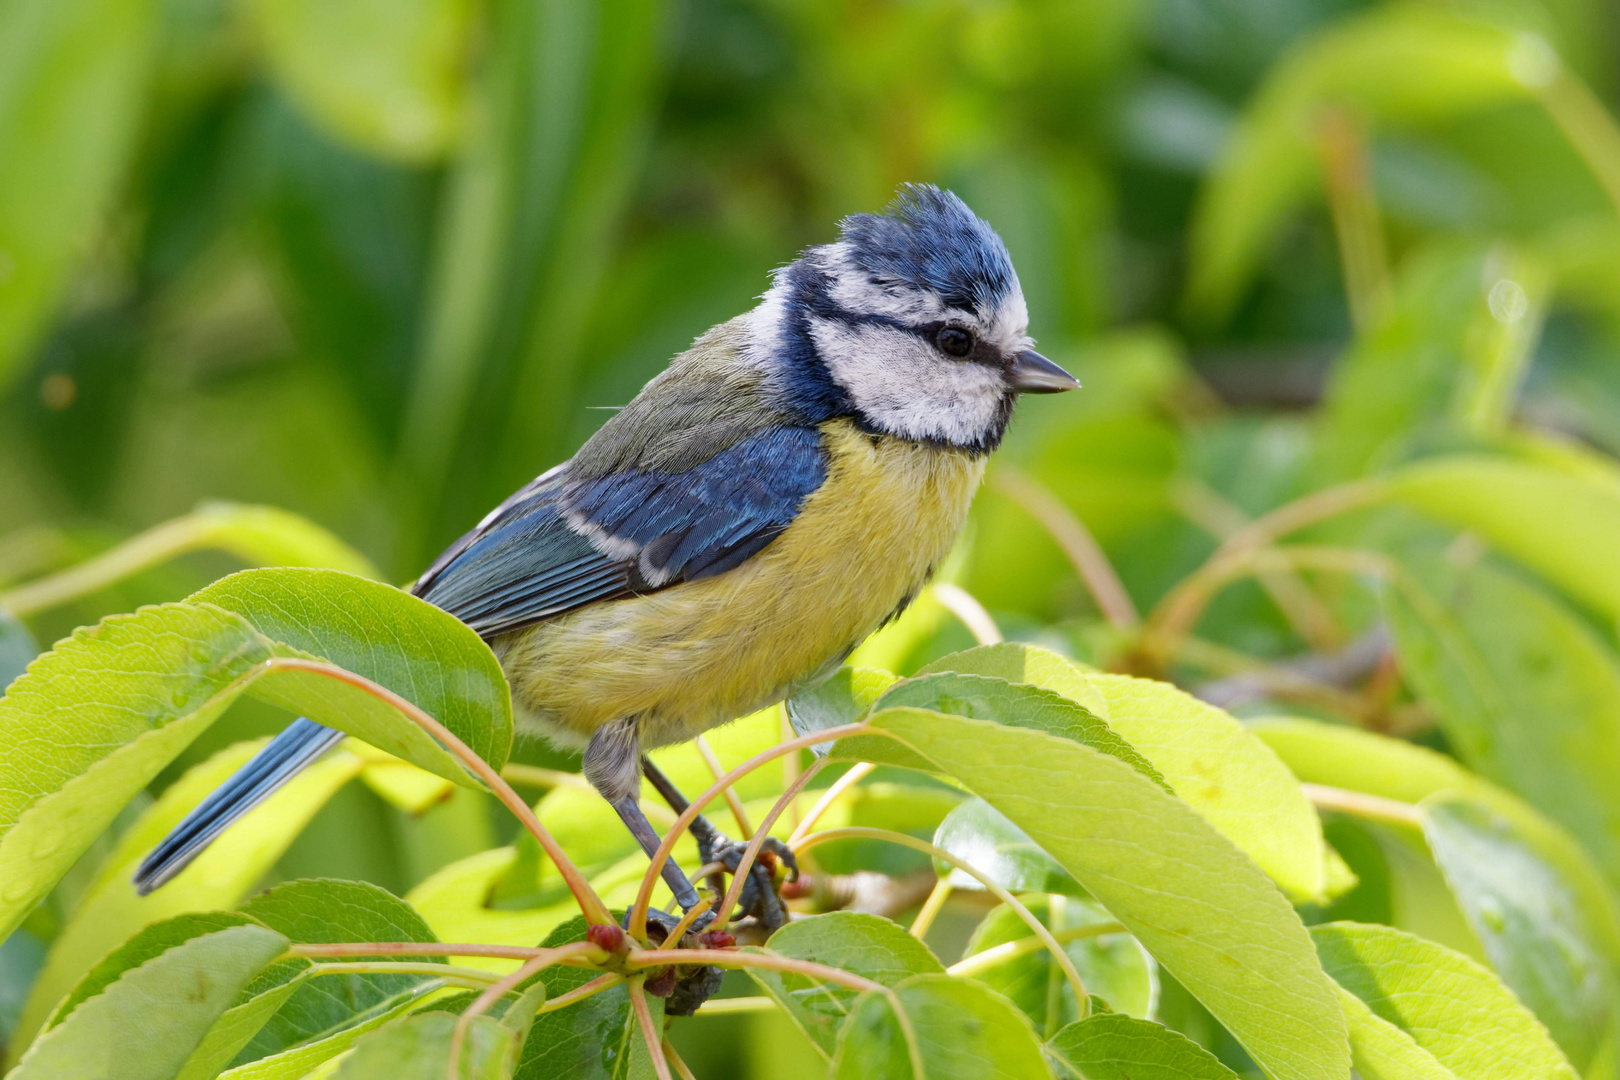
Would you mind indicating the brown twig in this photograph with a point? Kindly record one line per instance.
(654, 1038)
(740, 875)
(738, 814)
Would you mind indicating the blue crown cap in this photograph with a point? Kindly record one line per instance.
(927, 238)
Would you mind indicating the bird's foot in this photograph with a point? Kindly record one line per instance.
(683, 987)
(760, 898)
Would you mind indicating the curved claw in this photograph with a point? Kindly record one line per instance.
(759, 898)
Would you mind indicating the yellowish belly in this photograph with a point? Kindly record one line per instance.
(705, 652)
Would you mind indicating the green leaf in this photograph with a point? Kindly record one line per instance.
(1575, 541)
(1450, 1006)
(327, 912)
(1398, 65)
(1381, 1051)
(231, 1032)
(425, 655)
(861, 944)
(70, 108)
(842, 699)
(1204, 911)
(1026, 664)
(955, 1027)
(418, 1048)
(981, 835)
(298, 1062)
(149, 1021)
(386, 76)
(1111, 1046)
(17, 648)
(1527, 694)
(596, 1039)
(1542, 912)
(1222, 771)
(1112, 967)
(1346, 757)
(110, 912)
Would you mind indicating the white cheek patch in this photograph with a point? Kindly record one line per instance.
(901, 385)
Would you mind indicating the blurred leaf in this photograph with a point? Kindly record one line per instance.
(1566, 527)
(1525, 692)
(981, 836)
(297, 1063)
(455, 903)
(147, 1023)
(403, 785)
(1113, 967)
(1347, 757)
(597, 1039)
(865, 945)
(111, 911)
(418, 1048)
(842, 699)
(1221, 770)
(1541, 910)
(17, 648)
(1030, 664)
(257, 535)
(1381, 1051)
(71, 89)
(392, 638)
(961, 1030)
(387, 76)
(328, 912)
(1395, 66)
(1204, 911)
(1111, 1046)
(916, 809)
(1449, 1005)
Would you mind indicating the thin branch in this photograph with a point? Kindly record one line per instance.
(654, 1038)
(969, 612)
(422, 948)
(1012, 950)
(535, 776)
(476, 978)
(638, 913)
(579, 993)
(585, 896)
(1071, 534)
(828, 797)
(740, 875)
(1372, 807)
(1352, 200)
(704, 904)
(482, 1003)
(725, 1006)
(643, 959)
(931, 908)
(1001, 893)
(717, 770)
(675, 1059)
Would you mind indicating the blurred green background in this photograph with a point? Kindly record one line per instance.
(379, 262)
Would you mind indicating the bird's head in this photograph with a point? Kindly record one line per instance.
(912, 322)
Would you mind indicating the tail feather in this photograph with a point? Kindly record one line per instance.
(285, 757)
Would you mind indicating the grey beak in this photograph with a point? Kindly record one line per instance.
(1032, 373)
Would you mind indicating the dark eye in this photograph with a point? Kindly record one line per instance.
(954, 342)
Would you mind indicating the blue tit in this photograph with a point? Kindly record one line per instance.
(781, 490)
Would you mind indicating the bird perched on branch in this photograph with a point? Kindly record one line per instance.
(786, 486)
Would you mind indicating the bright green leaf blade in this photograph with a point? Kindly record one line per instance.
(1025, 664)
(70, 106)
(111, 912)
(961, 1030)
(1575, 541)
(842, 699)
(1111, 1046)
(1112, 967)
(1382, 1051)
(418, 1048)
(1527, 694)
(1204, 911)
(1450, 1006)
(392, 638)
(298, 1062)
(865, 945)
(243, 1021)
(981, 835)
(94, 720)
(1346, 757)
(1543, 914)
(1018, 704)
(146, 1024)
(389, 77)
(327, 912)
(1222, 771)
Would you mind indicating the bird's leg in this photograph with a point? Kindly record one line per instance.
(759, 897)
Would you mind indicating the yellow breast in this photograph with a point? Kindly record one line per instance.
(705, 652)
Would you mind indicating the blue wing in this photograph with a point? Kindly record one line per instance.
(565, 542)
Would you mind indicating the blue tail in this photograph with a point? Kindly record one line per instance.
(286, 755)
